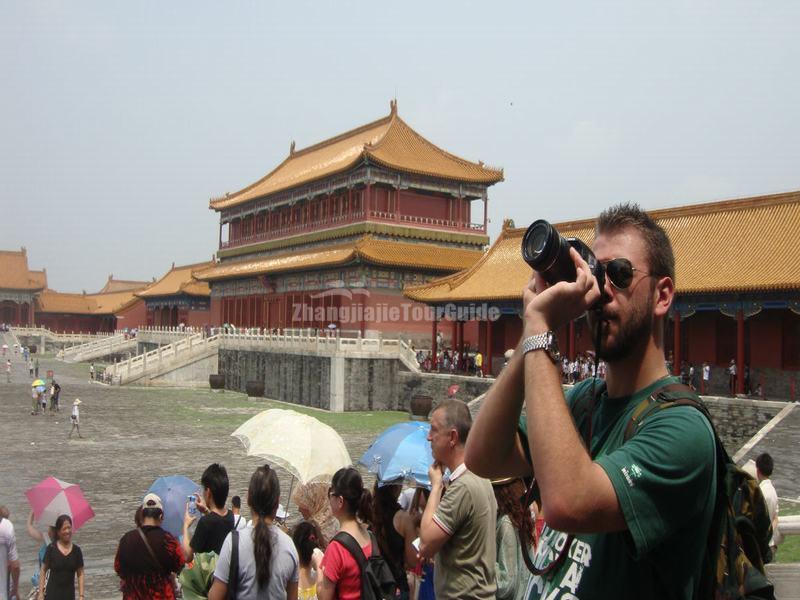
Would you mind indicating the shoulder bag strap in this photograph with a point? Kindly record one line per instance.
(351, 545)
(150, 549)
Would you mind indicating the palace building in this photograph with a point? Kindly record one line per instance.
(19, 288)
(737, 284)
(178, 299)
(330, 237)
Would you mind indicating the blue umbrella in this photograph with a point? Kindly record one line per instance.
(173, 491)
(401, 452)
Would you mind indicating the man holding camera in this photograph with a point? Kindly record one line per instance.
(629, 518)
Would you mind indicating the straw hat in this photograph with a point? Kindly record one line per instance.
(77, 401)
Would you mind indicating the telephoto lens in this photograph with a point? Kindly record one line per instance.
(548, 253)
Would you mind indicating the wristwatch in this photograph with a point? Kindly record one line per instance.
(542, 341)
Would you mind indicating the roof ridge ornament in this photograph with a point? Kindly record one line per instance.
(393, 107)
(291, 148)
(508, 224)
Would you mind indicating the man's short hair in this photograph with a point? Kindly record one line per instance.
(215, 478)
(765, 464)
(236, 502)
(455, 415)
(660, 257)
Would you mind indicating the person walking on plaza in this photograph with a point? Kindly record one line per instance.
(479, 364)
(706, 378)
(732, 377)
(625, 519)
(91, 372)
(30, 367)
(148, 557)
(8, 370)
(34, 401)
(764, 468)
(458, 528)
(63, 563)
(75, 418)
(268, 566)
(55, 391)
(216, 522)
(36, 367)
(9, 559)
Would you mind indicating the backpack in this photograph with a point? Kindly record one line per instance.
(377, 581)
(738, 542)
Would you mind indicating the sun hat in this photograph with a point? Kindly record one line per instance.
(77, 401)
(152, 500)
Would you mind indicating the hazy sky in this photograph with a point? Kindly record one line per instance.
(119, 120)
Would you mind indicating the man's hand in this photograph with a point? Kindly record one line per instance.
(201, 504)
(436, 473)
(548, 307)
(188, 519)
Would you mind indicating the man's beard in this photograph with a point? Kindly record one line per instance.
(632, 334)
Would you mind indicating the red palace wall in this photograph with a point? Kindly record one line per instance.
(71, 323)
(132, 317)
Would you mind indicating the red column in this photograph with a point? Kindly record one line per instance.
(454, 334)
(676, 351)
(487, 357)
(739, 351)
(397, 205)
(485, 213)
(368, 199)
(434, 349)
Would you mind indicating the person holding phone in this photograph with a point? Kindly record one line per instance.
(217, 521)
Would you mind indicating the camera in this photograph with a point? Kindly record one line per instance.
(547, 252)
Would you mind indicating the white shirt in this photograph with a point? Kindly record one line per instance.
(771, 500)
(76, 413)
(8, 554)
(706, 373)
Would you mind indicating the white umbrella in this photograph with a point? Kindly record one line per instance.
(301, 444)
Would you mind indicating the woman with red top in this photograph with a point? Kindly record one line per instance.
(351, 504)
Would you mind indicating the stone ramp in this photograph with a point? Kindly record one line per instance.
(782, 441)
(115, 344)
(786, 579)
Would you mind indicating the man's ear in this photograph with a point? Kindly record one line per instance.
(664, 293)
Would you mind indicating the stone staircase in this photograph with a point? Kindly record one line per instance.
(114, 344)
(142, 369)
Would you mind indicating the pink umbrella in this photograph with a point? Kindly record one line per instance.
(52, 497)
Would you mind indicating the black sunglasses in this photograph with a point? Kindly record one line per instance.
(332, 494)
(620, 272)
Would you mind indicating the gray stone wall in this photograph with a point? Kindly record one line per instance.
(737, 419)
(775, 382)
(371, 384)
(145, 347)
(436, 386)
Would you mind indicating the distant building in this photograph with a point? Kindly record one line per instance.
(19, 288)
(178, 299)
(331, 235)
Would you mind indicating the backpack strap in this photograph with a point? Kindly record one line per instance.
(666, 396)
(233, 572)
(351, 545)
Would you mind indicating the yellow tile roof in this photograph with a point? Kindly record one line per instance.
(367, 248)
(14, 272)
(179, 280)
(50, 301)
(388, 141)
(123, 285)
(748, 244)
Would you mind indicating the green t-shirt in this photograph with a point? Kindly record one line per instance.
(664, 478)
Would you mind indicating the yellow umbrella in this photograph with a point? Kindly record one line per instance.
(303, 445)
